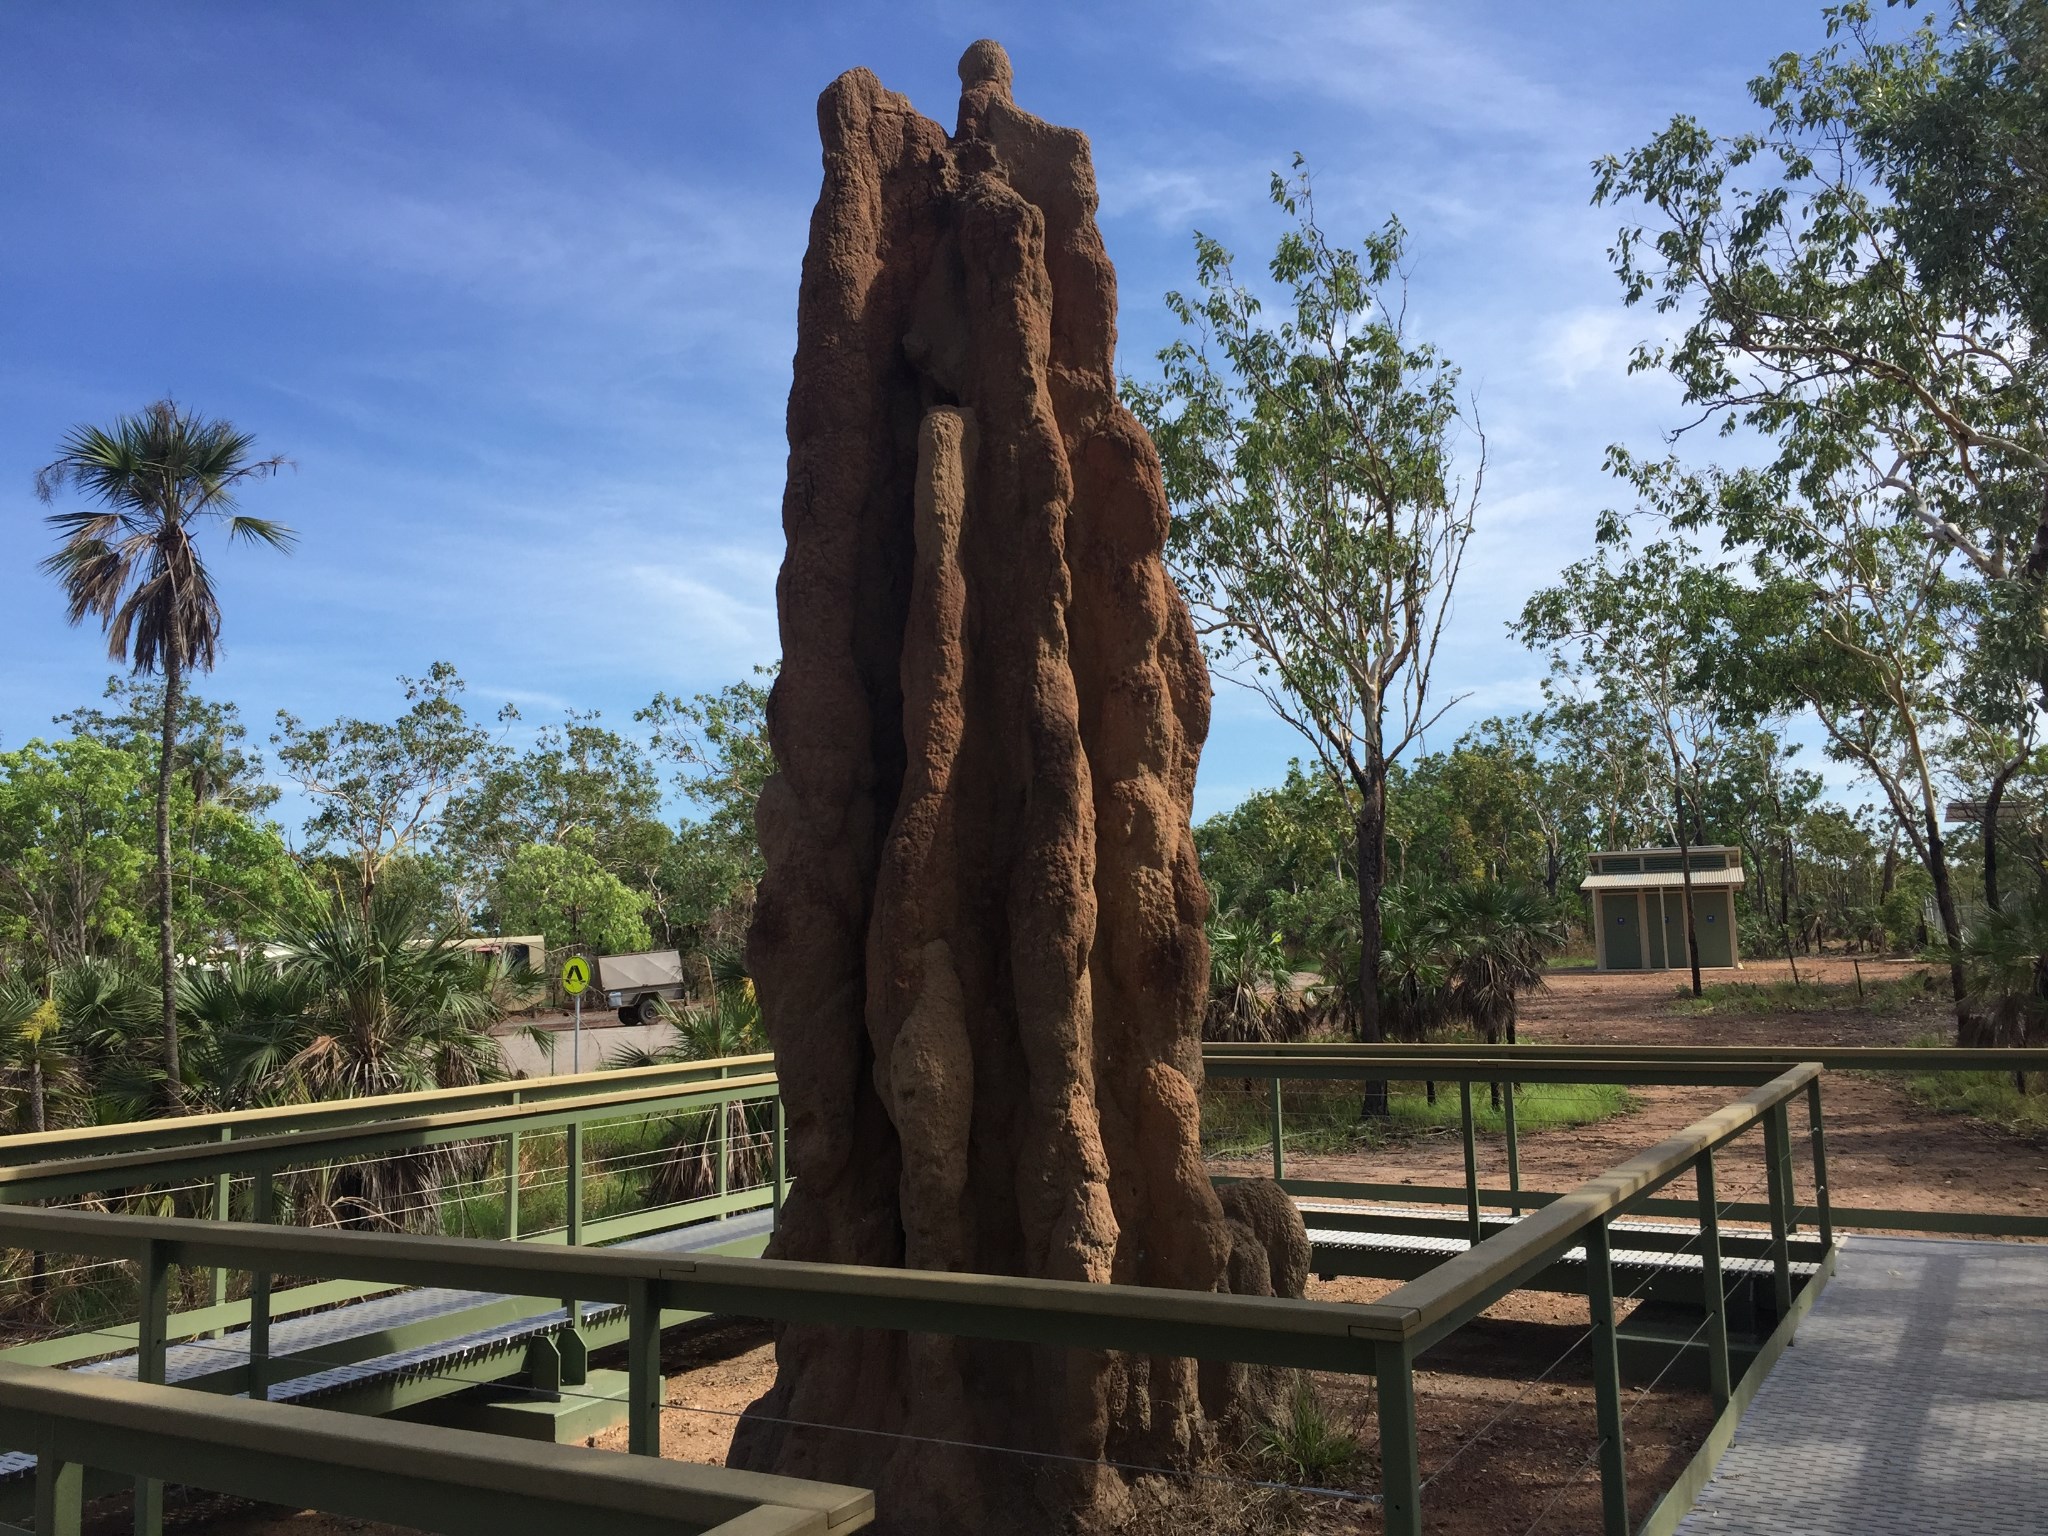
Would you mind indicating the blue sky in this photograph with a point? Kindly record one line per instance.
(514, 285)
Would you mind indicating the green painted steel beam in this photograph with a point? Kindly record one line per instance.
(1464, 1285)
(1147, 1319)
(421, 1476)
(57, 1180)
(182, 1130)
(1230, 1060)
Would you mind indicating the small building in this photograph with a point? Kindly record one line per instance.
(1639, 907)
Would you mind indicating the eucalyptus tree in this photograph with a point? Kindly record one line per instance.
(1864, 273)
(702, 880)
(132, 561)
(1313, 462)
(379, 787)
(1848, 612)
(578, 779)
(1634, 626)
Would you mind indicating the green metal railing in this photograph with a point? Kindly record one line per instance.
(106, 1161)
(1381, 1339)
(1628, 1066)
(227, 1125)
(458, 1482)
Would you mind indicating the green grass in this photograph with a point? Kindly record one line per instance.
(1993, 1097)
(1572, 963)
(1893, 995)
(1305, 1445)
(1236, 1121)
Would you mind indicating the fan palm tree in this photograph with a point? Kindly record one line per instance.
(1497, 940)
(133, 563)
(1250, 981)
(2005, 955)
(729, 1024)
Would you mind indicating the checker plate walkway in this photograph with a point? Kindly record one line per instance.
(1914, 1399)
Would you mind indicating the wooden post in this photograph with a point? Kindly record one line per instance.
(1714, 1292)
(1607, 1381)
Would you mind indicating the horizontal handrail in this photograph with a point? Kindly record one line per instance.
(294, 1118)
(1836, 1058)
(56, 1179)
(1464, 1285)
(1496, 1065)
(460, 1482)
(1257, 1330)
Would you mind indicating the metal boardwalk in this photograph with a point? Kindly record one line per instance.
(1915, 1399)
(334, 1327)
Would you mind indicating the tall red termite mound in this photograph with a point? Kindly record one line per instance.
(978, 946)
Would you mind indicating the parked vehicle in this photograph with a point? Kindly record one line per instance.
(529, 949)
(637, 984)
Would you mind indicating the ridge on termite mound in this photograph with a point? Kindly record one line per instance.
(979, 944)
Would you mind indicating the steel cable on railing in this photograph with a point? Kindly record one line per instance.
(1722, 1207)
(1343, 1495)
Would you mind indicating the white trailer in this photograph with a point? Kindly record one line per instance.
(636, 985)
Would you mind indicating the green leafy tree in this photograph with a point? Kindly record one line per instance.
(701, 881)
(561, 890)
(379, 787)
(372, 1002)
(1862, 269)
(1498, 938)
(72, 865)
(1320, 525)
(132, 561)
(1636, 626)
(577, 779)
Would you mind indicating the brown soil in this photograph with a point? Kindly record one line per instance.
(1505, 1406)
(1883, 1148)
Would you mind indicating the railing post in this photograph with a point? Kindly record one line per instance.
(1514, 1153)
(1778, 1198)
(1471, 1164)
(262, 1204)
(511, 1186)
(778, 1174)
(60, 1491)
(1820, 1168)
(572, 1172)
(151, 1327)
(223, 1193)
(724, 1147)
(1607, 1381)
(643, 1369)
(572, 1175)
(1715, 1292)
(1400, 1456)
(1279, 1136)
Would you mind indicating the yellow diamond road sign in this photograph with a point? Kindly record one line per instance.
(575, 974)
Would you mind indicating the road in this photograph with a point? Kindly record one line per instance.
(605, 1039)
